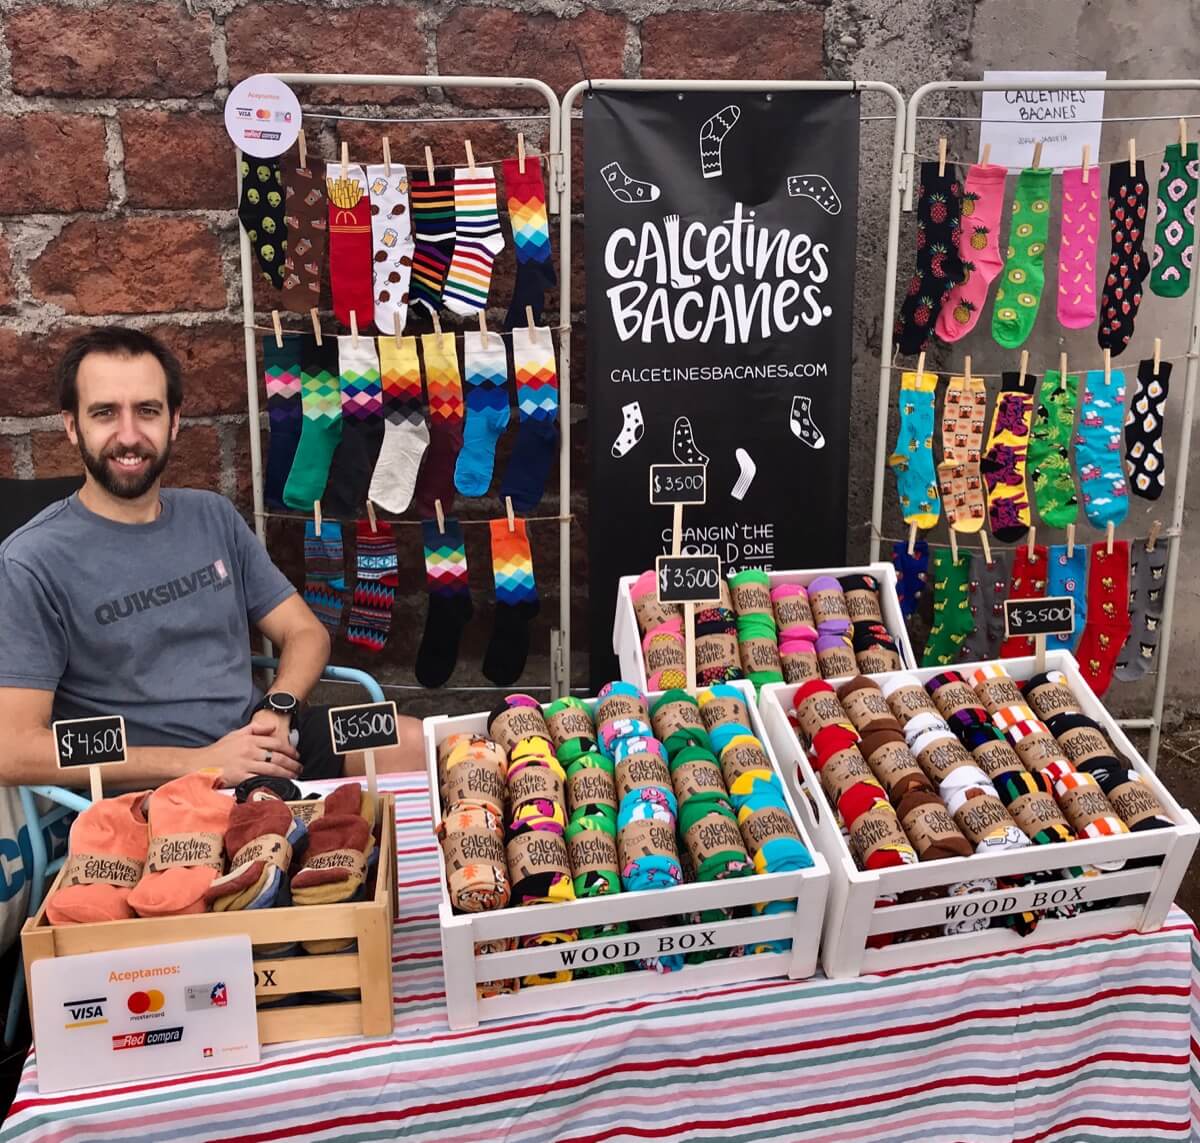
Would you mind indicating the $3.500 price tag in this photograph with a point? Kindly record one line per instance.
(678, 484)
(1049, 615)
(689, 579)
(368, 726)
(89, 741)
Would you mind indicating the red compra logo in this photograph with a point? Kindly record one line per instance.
(140, 1003)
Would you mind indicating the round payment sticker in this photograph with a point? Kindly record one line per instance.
(262, 116)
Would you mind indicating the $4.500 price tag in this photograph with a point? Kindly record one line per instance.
(689, 579)
(368, 726)
(89, 741)
(678, 484)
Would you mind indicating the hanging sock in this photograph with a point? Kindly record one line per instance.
(324, 573)
(1077, 247)
(1020, 291)
(979, 249)
(433, 232)
(405, 434)
(306, 213)
(531, 239)
(1098, 448)
(281, 375)
(912, 460)
(449, 602)
(321, 402)
(963, 413)
(912, 574)
(939, 268)
(1144, 461)
(1147, 582)
(1003, 464)
(1128, 266)
(987, 589)
(1067, 575)
(477, 241)
(1029, 580)
(1108, 624)
(952, 618)
(537, 402)
(516, 603)
(260, 212)
(1050, 450)
(370, 621)
(393, 245)
(1175, 221)
(443, 386)
(488, 414)
(362, 427)
(350, 244)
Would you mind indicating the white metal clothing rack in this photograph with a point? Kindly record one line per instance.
(1173, 532)
(560, 636)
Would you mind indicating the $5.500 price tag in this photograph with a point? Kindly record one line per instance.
(89, 741)
(678, 484)
(689, 579)
(368, 726)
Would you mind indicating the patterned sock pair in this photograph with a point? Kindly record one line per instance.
(1098, 448)
(1128, 266)
(1147, 581)
(1003, 464)
(987, 589)
(912, 460)
(1050, 450)
(1175, 221)
(959, 477)
(1019, 293)
(912, 574)
(370, 621)
(952, 618)
(1108, 623)
(1145, 464)
(1029, 579)
(1067, 575)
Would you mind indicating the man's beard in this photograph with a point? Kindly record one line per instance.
(112, 479)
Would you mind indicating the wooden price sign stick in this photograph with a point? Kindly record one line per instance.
(365, 727)
(1050, 615)
(90, 742)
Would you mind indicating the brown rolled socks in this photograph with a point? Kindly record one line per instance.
(868, 710)
(930, 827)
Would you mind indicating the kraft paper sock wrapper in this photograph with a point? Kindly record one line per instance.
(714, 844)
(107, 853)
(475, 778)
(991, 750)
(892, 762)
(751, 592)
(845, 770)
(1082, 800)
(639, 768)
(260, 854)
(744, 755)
(1080, 737)
(539, 868)
(930, 828)
(590, 784)
(188, 820)
(863, 702)
(828, 605)
(1134, 801)
(861, 593)
(906, 697)
(535, 783)
(817, 706)
(649, 857)
(646, 607)
(723, 704)
(592, 850)
(673, 711)
(620, 702)
(919, 724)
(455, 747)
(875, 655)
(793, 615)
(508, 724)
(476, 868)
(335, 864)
(698, 774)
(1049, 694)
(771, 836)
(569, 719)
(798, 660)
(986, 823)
(996, 690)
(665, 655)
(1032, 808)
(1035, 745)
(878, 841)
(951, 692)
(835, 655)
(939, 754)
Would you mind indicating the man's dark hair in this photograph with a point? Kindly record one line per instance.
(118, 341)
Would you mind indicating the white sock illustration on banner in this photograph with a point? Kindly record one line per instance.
(624, 188)
(712, 135)
(683, 444)
(748, 471)
(818, 188)
(679, 279)
(802, 424)
(632, 428)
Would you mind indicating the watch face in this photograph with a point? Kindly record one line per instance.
(281, 702)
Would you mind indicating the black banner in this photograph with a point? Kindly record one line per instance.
(719, 251)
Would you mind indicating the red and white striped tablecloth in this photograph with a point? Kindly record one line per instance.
(1090, 1040)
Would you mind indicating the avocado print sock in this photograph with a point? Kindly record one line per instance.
(913, 459)
(1050, 450)
(952, 618)
(1175, 221)
(1004, 462)
(1020, 291)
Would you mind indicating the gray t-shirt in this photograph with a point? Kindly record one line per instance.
(151, 621)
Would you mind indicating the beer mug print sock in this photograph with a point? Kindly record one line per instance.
(393, 244)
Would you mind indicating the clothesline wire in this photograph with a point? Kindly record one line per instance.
(381, 520)
(532, 117)
(1163, 534)
(1051, 123)
(952, 160)
(957, 370)
(418, 165)
(270, 329)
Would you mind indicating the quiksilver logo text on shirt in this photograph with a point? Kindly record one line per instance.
(211, 575)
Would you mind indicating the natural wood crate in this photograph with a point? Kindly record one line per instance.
(367, 970)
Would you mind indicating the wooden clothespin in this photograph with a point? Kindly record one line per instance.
(941, 156)
(317, 518)
(1062, 372)
(437, 324)
(1152, 539)
(1037, 154)
(967, 370)
(1109, 534)
(1032, 542)
(953, 545)
(1070, 540)
(529, 317)
(508, 511)
(345, 160)
(1132, 156)
(302, 143)
(921, 365)
(1157, 354)
(1024, 366)
(1107, 367)
(279, 330)
(397, 333)
(387, 156)
(1183, 136)
(483, 330)
(521, 151)
(1087, 158)
(470, 155)
(353, 327)
(912, 539)
(371, 516)
(316, 324)
(429, 163)
(987, 154)
(987, 548)
(441, 518)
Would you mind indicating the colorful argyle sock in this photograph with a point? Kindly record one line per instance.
(321, 401)
(433, 231)
(306, 215)
(370, 621)
(1029, 580)
(362, 427)
(449, 602)
(537, 401)
(1144, 461)
(978, 247)
(260, 212)
(1077, 249)
(516, 603)
(443, 386)
(1098, 448)
(1067, 575)
(1175, 221)
(477, 240)
(405, 434)
(1020, 290)
(912, 460)
(350, 244)
(1003, 464)
(392, 241)
(531, 238)
(1128, 196)
(486, 370)
(1147, 580)
(912, 574)
(952, 618)
(1050, 450)
(324, 573)
(281, 375)
(1108, 624)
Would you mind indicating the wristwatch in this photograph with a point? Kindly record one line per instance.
(285, 703)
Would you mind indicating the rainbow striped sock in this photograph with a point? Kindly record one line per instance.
(537, 400)
(477, 240)
(433, 232)
(516, 602)
(531, 238)
(324, 573)
(375, 589)
(449, 602)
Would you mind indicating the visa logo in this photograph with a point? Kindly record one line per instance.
(86, 1013)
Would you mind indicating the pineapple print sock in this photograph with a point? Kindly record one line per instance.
(516, 603)
(987, 589)
(1144, 461)
(912, 460)
(939, 267)
(260, 212)
(350, 244)
(1098, 448)
(1020, 291)
(405, 434)
(1147, 579)
(1175, 221)
(1108, 623)
(1067, 575)
(477, 241)
(1077, 248)
(443, 385)
(321, 402)
(1127, 263)
(963, 413)
(952, 618)
(1050, 450)
(393, 245)
(1004, 462)
(450, 607)
(324, 573)
(537, 402)
(281, 376)
(531, 238)
(362, 427)
(433, 233)
(370, 621)
(1029, 580)
(488, 413)
(979, 249)
(912, 574)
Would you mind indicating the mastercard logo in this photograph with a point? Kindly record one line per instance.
(262, 113)
(142, 1002)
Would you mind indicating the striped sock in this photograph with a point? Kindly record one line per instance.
(477, 240)
(433, 231)
(516, 602)
(537, 400)
(531, 238)
(321, 401)
(324, 573)
(449, 602)
(487, 411)
(443, 383)
(362, 427)
(281, 375)
(405, 434)
(375, 588)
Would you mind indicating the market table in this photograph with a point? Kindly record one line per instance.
(1088, 1040)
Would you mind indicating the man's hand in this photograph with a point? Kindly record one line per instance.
(254, 749)
(271, 724)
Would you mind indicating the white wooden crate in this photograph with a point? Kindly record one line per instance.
(463, 967)
(627, 636)
(852, 915)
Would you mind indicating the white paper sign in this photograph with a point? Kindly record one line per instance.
(1014, 122)
(110, 1017)
(262, 116)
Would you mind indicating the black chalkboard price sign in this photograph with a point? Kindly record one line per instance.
(1050, 615)
(689, 579)
(89, 741)
(678, 483)
(365, 727)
